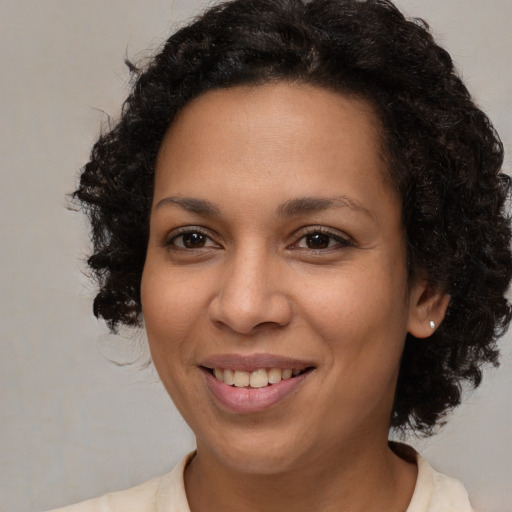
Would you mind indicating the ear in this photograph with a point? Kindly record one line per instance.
(427, 308)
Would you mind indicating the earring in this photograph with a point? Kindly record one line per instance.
(432, 324)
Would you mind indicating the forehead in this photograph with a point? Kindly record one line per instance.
(290, 131)
(318, 114)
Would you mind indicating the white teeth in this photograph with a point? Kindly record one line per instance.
(256, 379)
(229, 377)
(274, 375)
(241, 379)
(259, 379)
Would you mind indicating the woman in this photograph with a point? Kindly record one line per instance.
(305, 210)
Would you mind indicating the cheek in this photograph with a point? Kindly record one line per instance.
(360, 314)
(169, 309)
(365, 295)
(362, 325)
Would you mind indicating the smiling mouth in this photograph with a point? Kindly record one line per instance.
(256, 379)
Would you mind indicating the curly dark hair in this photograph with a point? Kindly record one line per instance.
(445, 160)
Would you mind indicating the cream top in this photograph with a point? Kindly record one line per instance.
(434, 492)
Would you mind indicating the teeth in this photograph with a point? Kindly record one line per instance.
(259, 379)
(256, 379)
(241, 379)
(229, 377)
(274, 375)
(287, 373)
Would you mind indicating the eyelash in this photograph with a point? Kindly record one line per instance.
(311, 231)
(181, 232)
(341, 241)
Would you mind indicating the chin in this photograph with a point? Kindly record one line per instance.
(257, 453)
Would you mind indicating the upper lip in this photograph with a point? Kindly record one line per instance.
(251, 362)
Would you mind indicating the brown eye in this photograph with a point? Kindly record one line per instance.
(317, 241)
(193, 240)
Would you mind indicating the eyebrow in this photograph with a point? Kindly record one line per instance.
(302, 205)
(190, 204)
(290, 208)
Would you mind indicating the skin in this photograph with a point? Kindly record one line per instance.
(253, 284)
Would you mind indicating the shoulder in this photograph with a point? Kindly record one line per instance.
(140, 499)
(166, 492)
(449, 495)
(435, 492)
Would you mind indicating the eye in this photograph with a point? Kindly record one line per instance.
(318, 240)
(190, 239)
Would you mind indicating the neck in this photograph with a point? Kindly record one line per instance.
(366, 479)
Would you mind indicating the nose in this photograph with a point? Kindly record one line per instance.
(251, 294)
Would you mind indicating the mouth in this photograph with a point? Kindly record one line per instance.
(252, 384)
(256, 379)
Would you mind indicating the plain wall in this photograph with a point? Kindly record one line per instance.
(72, 424)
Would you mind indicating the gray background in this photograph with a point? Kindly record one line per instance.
(72, 424)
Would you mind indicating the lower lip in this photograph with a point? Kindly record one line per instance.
(249, 400)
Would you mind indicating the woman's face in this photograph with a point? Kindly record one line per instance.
(276, 244)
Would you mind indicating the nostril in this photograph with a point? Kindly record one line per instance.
(248, 308)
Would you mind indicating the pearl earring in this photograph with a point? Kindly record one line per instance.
(432, 324)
